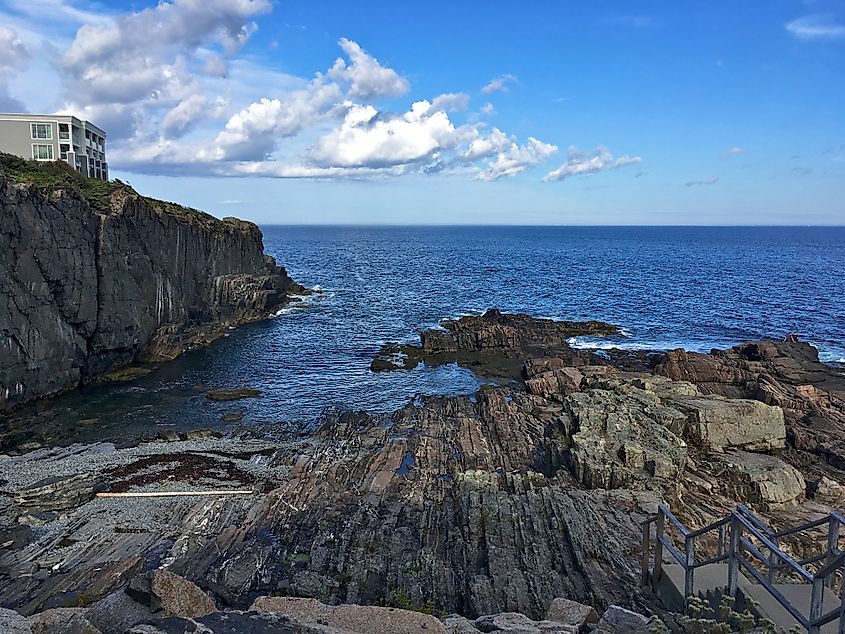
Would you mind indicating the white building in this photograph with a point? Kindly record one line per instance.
(42, 137)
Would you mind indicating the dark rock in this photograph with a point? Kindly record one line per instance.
(62, 621)
(57, 493)
(117, 612)
(494, 344)
(167, 435)
(232, 395)
(13, 623)
(112, 282)
(233, 417)
(196, 434)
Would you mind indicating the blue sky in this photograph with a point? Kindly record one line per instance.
(453, 112)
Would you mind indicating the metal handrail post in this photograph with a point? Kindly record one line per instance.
(772, 564)
(832, 543)
(646, 552)
(733, 564)
(658, 548)
(689, 566)
(816, 604)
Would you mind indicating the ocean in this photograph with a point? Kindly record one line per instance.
(666, 287)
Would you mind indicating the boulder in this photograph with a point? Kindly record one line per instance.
(618, 620)
(623, 439)
(361, 619)
(456, 624)
(57, 493)
(516, 623)
(170, 594)
(231, 622)
(117, 612)
(62, 621)
(571, 612)
(13, 623)
(715, 423)
(759, 479)
(555, 383)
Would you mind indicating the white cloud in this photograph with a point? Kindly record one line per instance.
(707, 181)
(489, 109)
(254, 132)
(14, 57)
(450, 102)
(598, 160)
(366, 77)
(500, 83)
(366, 139)
(514, 159)
(734, 151)
(139, 70)
(815, 27)
(13, 51)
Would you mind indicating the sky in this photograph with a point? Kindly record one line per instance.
(494, 112)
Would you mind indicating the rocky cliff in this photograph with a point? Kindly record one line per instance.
(94, 277)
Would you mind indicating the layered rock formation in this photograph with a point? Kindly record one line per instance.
(94, 277)
(502, 502)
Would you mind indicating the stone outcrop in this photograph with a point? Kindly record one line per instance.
(351, 618)
(494, 344)
(765, 481)
(783, 374)
(94, 281)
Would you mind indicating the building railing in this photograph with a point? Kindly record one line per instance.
(746, 543)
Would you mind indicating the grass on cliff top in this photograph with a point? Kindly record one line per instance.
(55, 176)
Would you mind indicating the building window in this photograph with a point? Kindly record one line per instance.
(41, 131)
(64, 131)
(42, 152)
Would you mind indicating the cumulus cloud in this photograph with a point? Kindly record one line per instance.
(488, 108)
(499, 84)
(450, 102)
(707, 181)
(815, 27)
(141, 65)
(366, 77)
(14, 57)
(734, 151)
(367, 139)
(254, 132)
(515, 159)
(598, 160)
(13, 51)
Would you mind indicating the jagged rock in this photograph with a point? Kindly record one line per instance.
(62, 621)
(110, 281)
(57, 493)
(784, 374)
(168, 435)
(516, 623)
(555, 382)
(618, 620)
(197, 434)
(828, 491)
(570, 612)
(623, 440)
(495, 344)
(232, 622)
(180, 597)
(351, 618)
(456, 624)
(759, 479)
(715, 423)
(117, 613)
(13, 623)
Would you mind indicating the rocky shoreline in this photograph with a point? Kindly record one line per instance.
(500, 502)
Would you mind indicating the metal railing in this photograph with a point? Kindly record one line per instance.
(742, 533)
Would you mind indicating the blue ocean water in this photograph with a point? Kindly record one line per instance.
(667, 287)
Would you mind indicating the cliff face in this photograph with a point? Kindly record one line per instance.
(93, 281)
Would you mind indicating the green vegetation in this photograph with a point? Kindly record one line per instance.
(59, 176)
(729, 621)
